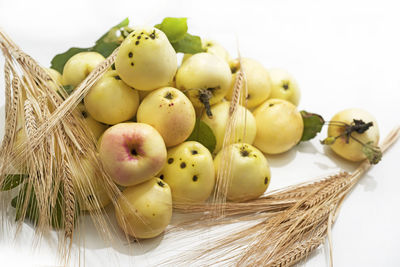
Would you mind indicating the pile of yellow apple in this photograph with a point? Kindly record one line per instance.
(143, 110)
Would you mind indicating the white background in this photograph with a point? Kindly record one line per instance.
(343, 54)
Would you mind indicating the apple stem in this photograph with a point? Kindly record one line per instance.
(204, 97)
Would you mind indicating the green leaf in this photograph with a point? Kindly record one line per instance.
(105, 49)
(57, 217)
(32, 212)
(373, 153)
(190, 44)
(11, 181)
(203, 134)
(174, 28)
(312, 125)
(58, 62)
(105, 45)
(69, 89)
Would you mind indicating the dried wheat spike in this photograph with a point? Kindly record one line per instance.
(298, 253)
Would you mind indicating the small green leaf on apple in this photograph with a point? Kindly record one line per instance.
(190, 44)
(69, 88)
(174, 28)
(373, 153)
(203, 134)
(176, 31)
(312, 125)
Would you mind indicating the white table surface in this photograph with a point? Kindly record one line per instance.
(343, 54)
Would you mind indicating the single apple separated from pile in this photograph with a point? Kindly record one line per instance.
(353, 134)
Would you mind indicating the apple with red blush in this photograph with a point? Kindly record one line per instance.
(132, 152)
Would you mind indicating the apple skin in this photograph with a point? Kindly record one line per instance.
(145, 209)
(353, 150)
(250, 172)
(212, 47)
(257, 80)
(279, 126)
(170, 112)
(219, 121)
(57, 78)
(207, 72)
(189, 172)
(111, 101)
(132, 152)
(79, 66)
(146, 60)
(284, 86)
(87, 184)
(97, 128)
(18, 149)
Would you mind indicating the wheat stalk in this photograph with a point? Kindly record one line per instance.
(289, 230)
(288, 223)
(56, 141)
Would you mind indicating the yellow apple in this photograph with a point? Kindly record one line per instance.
(97, 128)
(352, 150)
(79, 66)
(284, 86)
(245, 126)
(257, 81)
(146, 209)
(111, 101)
(146, 60)
(212, 47)
(57, 78)
(279, 126)
(249, 174)
(170, 112)
(90, 190)
(204, 75)
(189, 172)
